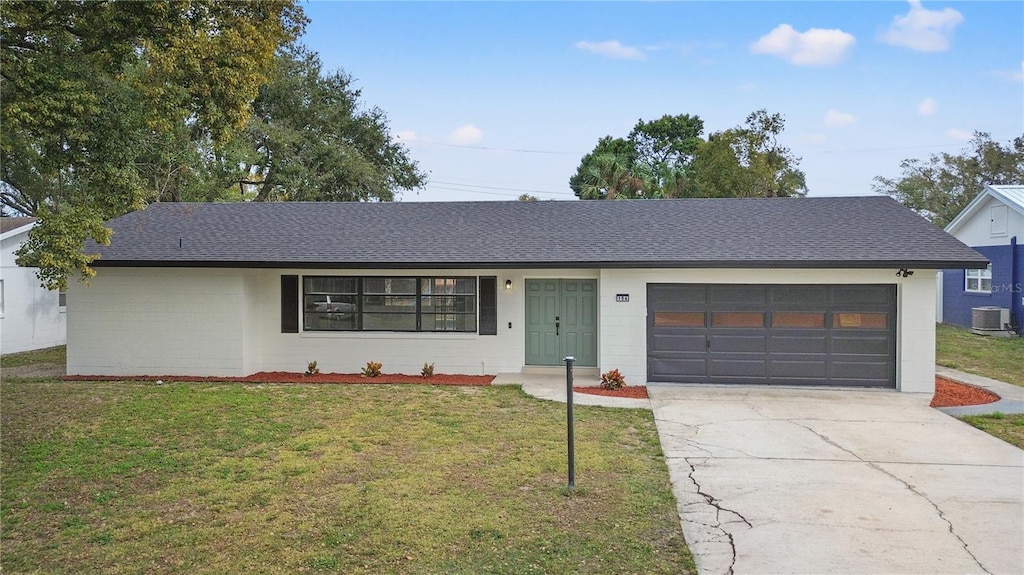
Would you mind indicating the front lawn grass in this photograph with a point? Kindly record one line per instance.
(231, 478)
(999, 358)
(51, 355)
(1009, 428)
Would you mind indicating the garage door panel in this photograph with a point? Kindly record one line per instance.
(738, 296)
(798, 369)
(797, 344)
(676, 369)
(678, 342)
(675, 297)
(736, 366)
(799, 297)
(861, 295)
(732, 343)
(857, 371)
(784, 334)
(861, 345)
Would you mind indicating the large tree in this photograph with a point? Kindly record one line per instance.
(668, 158)
(940, 187)
(310, 139)
(96, 95)
(652, 161)
(748, 162)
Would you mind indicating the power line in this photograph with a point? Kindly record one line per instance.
(502, 188)
(488, 148)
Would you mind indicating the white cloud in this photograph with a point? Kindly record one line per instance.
(815, 47)
(836, 118)
(959, 135)
(1011, 75)
(927, 107)
(923, 30)
(465, 135)
(404, 136)
(612, 49)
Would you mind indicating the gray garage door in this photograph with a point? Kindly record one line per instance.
(842, 335)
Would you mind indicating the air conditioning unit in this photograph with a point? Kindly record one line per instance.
(989, 318)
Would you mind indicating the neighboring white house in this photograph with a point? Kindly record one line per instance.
(31, 316)
(781, 291)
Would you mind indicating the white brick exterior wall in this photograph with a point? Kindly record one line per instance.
(153, 321)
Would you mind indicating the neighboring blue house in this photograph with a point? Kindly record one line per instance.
(993, 224)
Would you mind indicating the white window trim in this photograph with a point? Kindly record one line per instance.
(979, 275)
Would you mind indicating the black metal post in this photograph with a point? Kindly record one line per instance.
(569, 420)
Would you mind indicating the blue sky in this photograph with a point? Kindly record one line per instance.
(498, 99)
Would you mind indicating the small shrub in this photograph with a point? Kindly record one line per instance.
(312, 369)
(613, 379)
(372, 369)
(428, 370)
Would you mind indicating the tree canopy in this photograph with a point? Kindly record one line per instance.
(93, 91)
(668, 158)
(109, 105)
(940, 187)
(310, 140)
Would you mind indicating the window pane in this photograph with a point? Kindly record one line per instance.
(320, 321)
(336, 285)
(806, 320)
(388, 303)
(403, 286)
(465, 286)
(860, 320)
(737, 319)
(986, 284)
(330, 303)
(389, 321)
(679, 319)
(972, 284)
(449, 322)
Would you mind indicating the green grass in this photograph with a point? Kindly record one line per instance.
(1009, 428)
(55, 355)
(999, 358)
(200, 478)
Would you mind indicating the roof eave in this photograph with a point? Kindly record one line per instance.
(715, 264)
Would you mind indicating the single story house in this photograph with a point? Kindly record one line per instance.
(31, 316)
(993, 224)
(811, 291)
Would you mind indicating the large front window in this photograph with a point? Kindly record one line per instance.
(979, 280)
(389, 303)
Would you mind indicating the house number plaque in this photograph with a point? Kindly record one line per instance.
(622, 297)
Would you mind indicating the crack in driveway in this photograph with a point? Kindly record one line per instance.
(719, 509)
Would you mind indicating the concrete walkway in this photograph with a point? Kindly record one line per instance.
(795, 480)
(1011, 396)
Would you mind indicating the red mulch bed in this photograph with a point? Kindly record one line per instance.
(630, 391)
(291, 377)
(952, 394)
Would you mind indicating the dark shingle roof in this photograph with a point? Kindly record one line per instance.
(745, 233)
(8, 224)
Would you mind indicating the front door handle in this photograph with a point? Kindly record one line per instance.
(556, 326)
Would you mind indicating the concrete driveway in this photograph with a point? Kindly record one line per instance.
(838, 481)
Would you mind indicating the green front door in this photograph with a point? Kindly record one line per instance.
(561, 320)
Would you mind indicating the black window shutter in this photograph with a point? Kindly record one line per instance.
(289, 304)
(488, 306)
